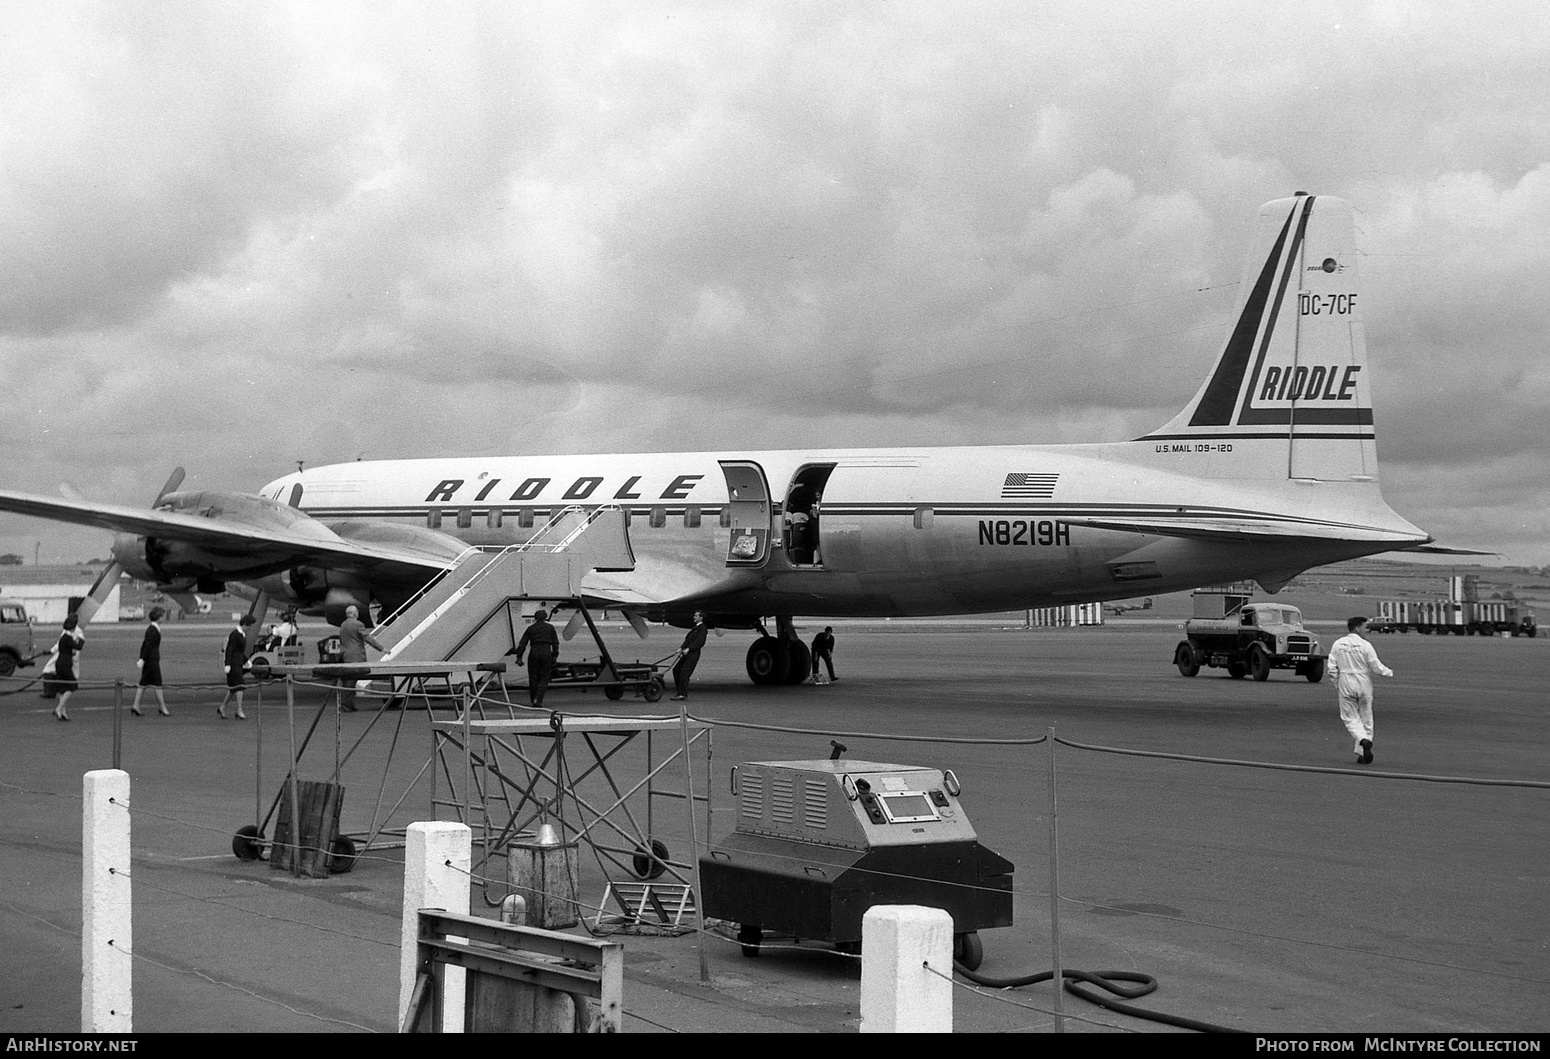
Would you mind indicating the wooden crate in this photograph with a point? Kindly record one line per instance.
(318, 806)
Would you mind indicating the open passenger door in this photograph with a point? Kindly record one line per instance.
(749, 513)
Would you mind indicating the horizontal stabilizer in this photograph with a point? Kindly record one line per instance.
(1443, 549)
(1232, 528)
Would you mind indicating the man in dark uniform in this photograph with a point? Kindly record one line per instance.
(823, 648)
(545, 650)
(689, 657)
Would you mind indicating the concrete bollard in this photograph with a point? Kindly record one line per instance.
(898, 993)
(437, 862)
(107, 944)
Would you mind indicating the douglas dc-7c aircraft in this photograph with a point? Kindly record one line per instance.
(1271, 469)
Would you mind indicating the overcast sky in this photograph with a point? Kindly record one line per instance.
(239, 235)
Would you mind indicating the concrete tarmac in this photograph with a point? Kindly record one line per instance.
(1363, 899)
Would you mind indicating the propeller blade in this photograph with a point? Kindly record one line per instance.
(573, 626)
(637, 623)
(260, 611)
(173, 481)
(100, 590)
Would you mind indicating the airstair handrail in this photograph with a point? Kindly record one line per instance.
(452, 600)
(458, 560)
(536, 544)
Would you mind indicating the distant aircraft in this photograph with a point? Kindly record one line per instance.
(1272, 468)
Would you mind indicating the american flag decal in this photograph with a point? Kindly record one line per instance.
(1029, 486)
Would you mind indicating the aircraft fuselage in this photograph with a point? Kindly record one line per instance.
(889, 531)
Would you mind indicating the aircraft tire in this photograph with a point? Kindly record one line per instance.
(799, 662)
(768, 661)
(1259, 663)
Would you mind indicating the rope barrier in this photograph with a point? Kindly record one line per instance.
(1324, 769)
(1071, 979)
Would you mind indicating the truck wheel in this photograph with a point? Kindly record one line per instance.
(1259, 663)
(1314, 671)
(1237, 670)
(7, 663)
(1184, 658)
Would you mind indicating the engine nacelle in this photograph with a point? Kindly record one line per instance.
(317, 589)
(340, 598)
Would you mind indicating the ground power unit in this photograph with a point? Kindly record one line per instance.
(817, 843)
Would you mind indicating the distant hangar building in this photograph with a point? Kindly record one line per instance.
(51, 593)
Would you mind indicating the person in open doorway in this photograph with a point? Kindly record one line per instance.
(541, 644)
(71, 639)
(353, 638)
(823, 648)
(149, 664)
(1352, 662)
(235, 660)
(689, 656)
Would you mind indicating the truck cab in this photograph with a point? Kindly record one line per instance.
(1231, 632)
(15, 638)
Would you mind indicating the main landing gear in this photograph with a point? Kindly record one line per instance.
(779, 659)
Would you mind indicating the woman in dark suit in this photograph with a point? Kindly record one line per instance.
(150, 665)
(236, 657)
(70, 641)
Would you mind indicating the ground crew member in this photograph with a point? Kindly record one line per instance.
(689, 657)
(1352, 662)
(823, 648)
(545, 644)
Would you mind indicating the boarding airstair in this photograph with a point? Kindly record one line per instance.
(476, 610)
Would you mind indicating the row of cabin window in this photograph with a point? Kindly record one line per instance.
(495, 517)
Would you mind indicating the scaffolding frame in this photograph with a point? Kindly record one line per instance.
(510, 786)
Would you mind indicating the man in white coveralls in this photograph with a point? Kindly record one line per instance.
(1352, 662)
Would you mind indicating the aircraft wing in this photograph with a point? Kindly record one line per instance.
(304, 541)
(1244, 527)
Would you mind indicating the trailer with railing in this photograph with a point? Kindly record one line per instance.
(1462, 613)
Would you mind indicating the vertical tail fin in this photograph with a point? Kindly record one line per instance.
(1292, 381)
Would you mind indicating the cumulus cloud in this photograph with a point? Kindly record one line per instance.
(240, 236)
